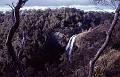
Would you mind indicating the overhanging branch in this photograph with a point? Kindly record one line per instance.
(101, 50)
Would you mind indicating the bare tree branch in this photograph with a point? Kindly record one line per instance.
(10, 6)
(112, 3)
(13, 12)
(100, 51)
(12, 31)
(22, 45)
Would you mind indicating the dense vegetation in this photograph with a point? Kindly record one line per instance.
(35, 25)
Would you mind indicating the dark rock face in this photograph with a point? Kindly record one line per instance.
(53, 47)
(50, 52)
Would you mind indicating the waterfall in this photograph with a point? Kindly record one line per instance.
(69, 47)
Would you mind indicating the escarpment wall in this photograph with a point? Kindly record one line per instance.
(39, 56)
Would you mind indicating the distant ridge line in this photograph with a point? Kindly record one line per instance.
(82, 7)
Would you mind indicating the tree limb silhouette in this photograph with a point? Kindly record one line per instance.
(12, 31)
(100, 51)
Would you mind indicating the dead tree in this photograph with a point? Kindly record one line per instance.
(11, 51)
(101, 50)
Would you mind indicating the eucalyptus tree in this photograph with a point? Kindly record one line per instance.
(116, 5)
(17, 63)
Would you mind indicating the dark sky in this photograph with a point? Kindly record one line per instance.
(49, 2)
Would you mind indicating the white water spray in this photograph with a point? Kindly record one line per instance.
(69, 47)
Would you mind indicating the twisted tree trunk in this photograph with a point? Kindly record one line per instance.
(100, 51)
(10, 48)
